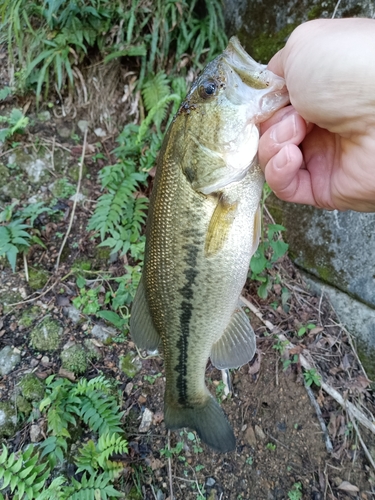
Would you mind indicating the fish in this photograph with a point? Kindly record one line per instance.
(203, 226)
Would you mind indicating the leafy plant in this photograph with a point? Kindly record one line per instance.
(14, 239)
(301, 332)
(271, 446)
(92, 456)
(16, 122)
(312, 377)
(296, 492)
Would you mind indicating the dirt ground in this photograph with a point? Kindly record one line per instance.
(280, 442)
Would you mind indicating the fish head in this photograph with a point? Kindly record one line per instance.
(221, 114)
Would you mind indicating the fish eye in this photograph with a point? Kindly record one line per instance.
(208, 89)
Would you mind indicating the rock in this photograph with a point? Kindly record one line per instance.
(67, 374)
(8, 360)
(250, 437)
(128, 388)
(130, 364)
(210, 481)
(78, 197)
(45, 361)
(83, 125)
(31, 387)
(47, 335)
(74, 359)
(8, 419)
(103, 333)
(259, 433)
(64, 132)
(92, 351)
(44, 116)
(146, 420)
(73, 314)
(36, 434)
(99, 132)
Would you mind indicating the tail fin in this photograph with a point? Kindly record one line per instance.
(208, 420)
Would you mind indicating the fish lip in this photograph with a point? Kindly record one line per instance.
(251, 72)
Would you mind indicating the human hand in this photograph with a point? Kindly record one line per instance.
(329, 70)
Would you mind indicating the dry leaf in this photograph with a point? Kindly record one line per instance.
(67, 374)
(346, 486)
(255, 367)
(315, 330)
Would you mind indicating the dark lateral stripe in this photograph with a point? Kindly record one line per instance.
(186, 313)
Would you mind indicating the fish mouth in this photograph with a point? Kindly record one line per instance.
(253, 74)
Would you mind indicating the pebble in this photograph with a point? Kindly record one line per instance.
(73, 314)
(128, 388)
(99, 132)
(259, 433)
(45, 360)
(146, 421)
(35, 433)
(210, 481)
(250, 437)
(9, 359)
(83, 125)
(103, 333)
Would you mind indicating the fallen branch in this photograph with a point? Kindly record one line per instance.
(318, 412)
(364, 447)
(74, 202)
(171, 496)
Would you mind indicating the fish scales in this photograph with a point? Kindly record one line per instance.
(202, 229)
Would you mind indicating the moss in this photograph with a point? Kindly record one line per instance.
(74, 359)
(31, 387)
(37, 278)
(29, 316)
(23, 405)
(367, 356)
(7, 298)
(101, 256)
(74, 172)
(81, 265)
(92, 352)
(134, 494)
(8, 419)
(266, 44)
(47, 335)
(62, 188)
(130, 364)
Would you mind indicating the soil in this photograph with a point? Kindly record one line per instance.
(280, 441)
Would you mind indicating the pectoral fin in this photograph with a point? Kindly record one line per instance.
(219, 226)
(142, 327)
(237, 344)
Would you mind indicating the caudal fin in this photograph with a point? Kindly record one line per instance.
(209, 421)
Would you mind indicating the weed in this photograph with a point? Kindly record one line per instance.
(287, 362)
(151, 379)
(312, 377)
(280, 346)
(301, 332)
(16, 122)
(249, 461)
(271, 446)
(220, 391)
(296, 492)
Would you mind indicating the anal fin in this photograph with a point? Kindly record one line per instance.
(237, 344)
(142, 328)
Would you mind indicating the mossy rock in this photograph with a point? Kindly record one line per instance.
(47, 335)
(101, 256)
(29, 316)
(31, 387)
(7, 298)
(37, 278)
(23, 405)
(8, 419)
(130, 364)
(92, 352)
(74, 359)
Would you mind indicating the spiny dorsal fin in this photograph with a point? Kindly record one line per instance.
(142, 327)
(237, 344)
(219, 226)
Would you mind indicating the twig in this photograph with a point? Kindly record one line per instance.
(323, 426)
(258, 314)
(367, 453)
(170, 468)
(153, 492)
(25, 267)
(336, 7)
(74, 203)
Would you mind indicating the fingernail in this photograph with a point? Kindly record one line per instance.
(285, 130)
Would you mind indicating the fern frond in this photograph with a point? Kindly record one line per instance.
(109, 444)
(155, 89)
(87, 459)
(23, 473)
(87, 488)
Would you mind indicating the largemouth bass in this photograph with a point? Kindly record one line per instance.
(202, 229)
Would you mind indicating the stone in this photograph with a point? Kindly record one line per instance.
(99, 132)
(78, 197)
(250, 437)
(47, 335)
(74, 359)
(83, 125)
(64, 132)
(146, 421)
(73, 314)
(8, 360)
(103, 332)
(210, 481)
(36, 434)
(130, 364)
(31, 387)
(259, 433)
(128, 388)
(8, 419)
(92, 351)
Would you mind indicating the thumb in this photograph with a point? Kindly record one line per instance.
(276, 64)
